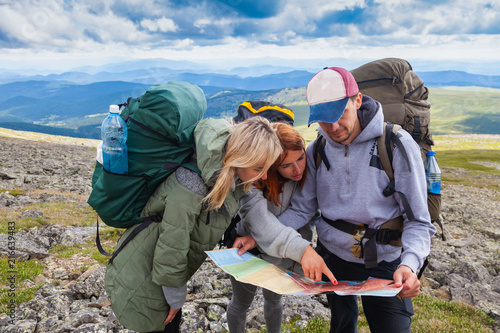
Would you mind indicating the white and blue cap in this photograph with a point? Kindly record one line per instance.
(328, 93)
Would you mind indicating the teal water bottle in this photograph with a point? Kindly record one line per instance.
(432, 174)
(114, 142)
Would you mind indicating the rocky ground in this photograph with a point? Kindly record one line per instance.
(465, 267)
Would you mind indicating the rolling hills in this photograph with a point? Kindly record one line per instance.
(54, 104)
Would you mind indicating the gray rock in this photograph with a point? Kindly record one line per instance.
(215, 312)
(92, 328)
(194, 319)
(50, 324)
(21, 326)
(32, 214)
(26, 247)
(465, 267)
(85, 316)
(89, 287)
(495, 284)
(472, 271)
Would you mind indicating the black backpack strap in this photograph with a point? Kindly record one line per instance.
(385, 144)
(126, 104)
(385, 150)
(98, 241)
(319, 152)
(426, 262)
(438, 221)
(147, 222)
(374, 236)
(230, 235)
(397, 141)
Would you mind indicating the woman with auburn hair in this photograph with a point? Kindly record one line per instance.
(147, 282)
(258, 211)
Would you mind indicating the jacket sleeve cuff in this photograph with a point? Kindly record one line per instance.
(296, 249)
(175, 297)
(410, 260)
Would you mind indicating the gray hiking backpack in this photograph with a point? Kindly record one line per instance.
(403, 96)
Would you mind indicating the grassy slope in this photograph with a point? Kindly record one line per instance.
(454, 110)
(465, 110)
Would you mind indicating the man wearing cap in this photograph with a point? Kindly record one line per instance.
(347, 188)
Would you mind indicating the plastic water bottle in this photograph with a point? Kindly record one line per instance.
(432, 174)
(114, 142)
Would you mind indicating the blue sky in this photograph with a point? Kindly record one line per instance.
(431, 34)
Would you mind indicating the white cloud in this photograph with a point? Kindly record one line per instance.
(87, 30)
(110, 27)
(37, 23)
(162, 24)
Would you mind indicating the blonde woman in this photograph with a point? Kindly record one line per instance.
(258, 211)
(146, 282)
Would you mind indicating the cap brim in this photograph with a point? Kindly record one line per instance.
(329, 112)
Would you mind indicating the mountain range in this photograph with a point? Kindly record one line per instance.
(74, 103)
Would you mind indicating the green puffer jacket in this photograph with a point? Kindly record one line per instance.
(168, 253)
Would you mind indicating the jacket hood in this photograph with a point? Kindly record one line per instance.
(210, 137)
(371, 118)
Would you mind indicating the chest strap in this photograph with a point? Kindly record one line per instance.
(389, 233)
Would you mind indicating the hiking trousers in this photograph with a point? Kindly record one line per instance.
(243, 295)
(384, 314)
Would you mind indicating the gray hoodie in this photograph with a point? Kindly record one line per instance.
(352, 191)
(258, 218)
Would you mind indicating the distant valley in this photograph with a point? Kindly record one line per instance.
(75, 103)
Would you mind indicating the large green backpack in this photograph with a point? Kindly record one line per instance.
(160, 126)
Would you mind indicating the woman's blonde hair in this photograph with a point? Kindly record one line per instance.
(252, 143)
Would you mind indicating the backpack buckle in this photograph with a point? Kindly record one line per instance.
(385, 236)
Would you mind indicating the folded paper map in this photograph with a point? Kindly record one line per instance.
(248, 268)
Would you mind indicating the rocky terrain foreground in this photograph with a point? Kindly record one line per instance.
(465, 267)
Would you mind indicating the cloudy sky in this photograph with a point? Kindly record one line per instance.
(431, 34)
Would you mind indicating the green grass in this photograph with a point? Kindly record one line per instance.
(32, 268)
(456, 110)
(432, 315)
(21, 296)
(23, 270)
(471, 160)
(478, 156)
(13, 192)
(63, 213)
(12, 277)
(437, 316)
(65, 251)
(467, 142)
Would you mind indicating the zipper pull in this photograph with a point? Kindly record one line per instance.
(394, 80)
